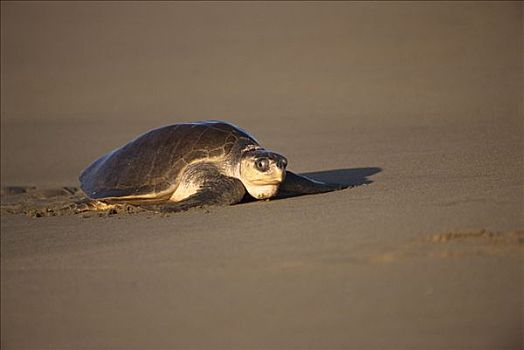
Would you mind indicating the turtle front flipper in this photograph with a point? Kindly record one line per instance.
(218, 190)
(295, 185)
(88, 204)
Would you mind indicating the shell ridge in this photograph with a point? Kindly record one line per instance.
(153, 163)
(199, 137)
(174, 149)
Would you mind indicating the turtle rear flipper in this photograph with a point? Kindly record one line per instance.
(87, 204)
(77, 207)
(295, 185)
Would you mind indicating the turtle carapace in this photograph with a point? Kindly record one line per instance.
(180, 166)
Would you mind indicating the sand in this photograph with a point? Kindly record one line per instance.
(417, 105)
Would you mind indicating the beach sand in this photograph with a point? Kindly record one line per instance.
(417, 105)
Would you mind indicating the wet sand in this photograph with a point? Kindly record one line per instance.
(417, 106)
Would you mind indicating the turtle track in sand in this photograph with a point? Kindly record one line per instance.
(58, 201)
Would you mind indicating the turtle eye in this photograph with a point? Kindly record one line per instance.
(262, 164)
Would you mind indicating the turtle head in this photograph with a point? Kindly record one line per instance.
(261, 172)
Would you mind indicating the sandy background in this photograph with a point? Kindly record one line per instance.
(420, 104)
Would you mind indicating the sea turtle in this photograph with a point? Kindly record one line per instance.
(180, 166)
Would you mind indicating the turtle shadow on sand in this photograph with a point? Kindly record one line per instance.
(350, 177)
